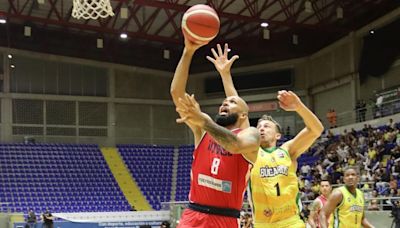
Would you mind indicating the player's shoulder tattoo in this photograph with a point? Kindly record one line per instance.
(315, 205)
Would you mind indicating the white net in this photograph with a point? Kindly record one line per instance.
(91, 9)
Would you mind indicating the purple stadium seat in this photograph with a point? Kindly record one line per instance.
(141, 160)
(59, 176)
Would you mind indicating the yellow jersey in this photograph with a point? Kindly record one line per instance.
(350, 211)
(273, 188)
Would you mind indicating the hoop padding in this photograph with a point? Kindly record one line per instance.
(91, 9)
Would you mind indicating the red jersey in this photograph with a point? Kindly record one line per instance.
(322, 199)
(218, 177)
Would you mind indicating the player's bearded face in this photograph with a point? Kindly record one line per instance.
(226, 120)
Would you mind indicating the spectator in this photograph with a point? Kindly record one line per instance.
(351, 161)
(305, 169)
(47, 218)
(396, 169)
(379, 102)
(31, 220)
(373, 205)
(393, 193)
(165, 224)
(369, 148)
(328, 161)
(382, 186)
(358, 111)
(391, 124)
(372, 153)
(365, 187)
(363, 110)
(342, 152)
(393, 183)
(395, 152)
(366, 176)
(332, 117)
(247, 221)
(315, 187)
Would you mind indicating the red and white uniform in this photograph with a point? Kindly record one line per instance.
(218, 179)
(322, 200)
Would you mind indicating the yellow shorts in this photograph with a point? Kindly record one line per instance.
(292, 222)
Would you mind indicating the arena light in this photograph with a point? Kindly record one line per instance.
(166, 54)
(12, 66)
(264, 24)
(100, 43)
(27, 31)
(372, 32)
(295, 39)
(3, 21)
(9, 56)
(123, 36)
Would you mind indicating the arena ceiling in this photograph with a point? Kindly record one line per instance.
(154, 25)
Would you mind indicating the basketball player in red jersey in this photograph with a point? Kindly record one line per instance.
(220, 168)
(316, 206)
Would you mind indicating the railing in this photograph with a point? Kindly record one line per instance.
(370, 112)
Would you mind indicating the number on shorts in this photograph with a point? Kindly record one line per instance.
(215, 166)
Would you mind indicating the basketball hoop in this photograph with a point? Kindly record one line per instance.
(91, 9)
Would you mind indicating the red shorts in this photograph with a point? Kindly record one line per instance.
(191, 218)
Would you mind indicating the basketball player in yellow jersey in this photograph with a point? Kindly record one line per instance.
(273, 186)
(347, 204)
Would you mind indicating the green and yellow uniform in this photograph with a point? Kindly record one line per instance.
(350, 211)
(274, 191)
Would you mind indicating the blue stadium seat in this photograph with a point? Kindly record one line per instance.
(151, 166)
(65, 177)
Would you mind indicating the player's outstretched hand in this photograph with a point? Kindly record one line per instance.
(190, 112)
(221, 60)
(288, 100)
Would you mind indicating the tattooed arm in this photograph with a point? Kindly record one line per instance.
(247, 141)
(313, 218)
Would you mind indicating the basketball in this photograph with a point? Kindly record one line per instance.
(200, 23)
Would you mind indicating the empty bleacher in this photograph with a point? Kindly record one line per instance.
(151, 167)
(183, 174)
(60, 177)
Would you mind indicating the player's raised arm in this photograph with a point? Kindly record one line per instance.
(223, 65)
(178, 85)
(289, 101)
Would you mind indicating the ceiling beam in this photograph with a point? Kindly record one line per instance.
(138, 35)
(12, 7)
(24, 6)
(230, 16)
(147, 24)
